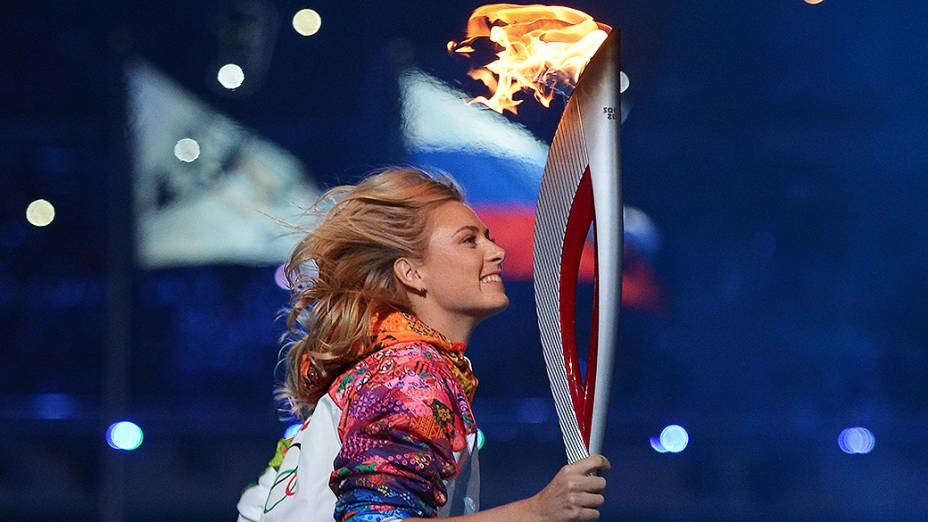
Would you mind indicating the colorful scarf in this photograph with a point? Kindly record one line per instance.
(401, 327)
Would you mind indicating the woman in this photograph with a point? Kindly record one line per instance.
(404, 271)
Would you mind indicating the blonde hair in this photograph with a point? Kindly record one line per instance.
(371, 224)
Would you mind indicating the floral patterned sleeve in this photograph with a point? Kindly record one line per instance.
(400, 433)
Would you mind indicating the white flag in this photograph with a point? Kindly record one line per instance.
(224, 205)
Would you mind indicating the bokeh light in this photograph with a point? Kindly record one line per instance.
(674, 438)
(656, 445)
(292, 430)
(480, 439)
(230, 76)
(856, 440)
(187, 150)
(124, 435)
(40, 213)
(307, 22)
(813, 2)
(280, 277)
(623, 81)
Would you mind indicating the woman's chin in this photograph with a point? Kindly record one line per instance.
(488, 307)
(501, 305)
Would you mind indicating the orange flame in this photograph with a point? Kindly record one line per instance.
(542, 49)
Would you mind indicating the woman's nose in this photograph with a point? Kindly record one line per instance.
(497, 254)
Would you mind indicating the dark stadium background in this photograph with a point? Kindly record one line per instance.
(777, 146)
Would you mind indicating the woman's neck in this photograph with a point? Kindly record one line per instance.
(454, 327)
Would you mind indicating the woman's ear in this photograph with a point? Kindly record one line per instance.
(405, 271)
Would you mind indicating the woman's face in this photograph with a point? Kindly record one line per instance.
(461, 269)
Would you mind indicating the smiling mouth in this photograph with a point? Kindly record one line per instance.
(492, 278)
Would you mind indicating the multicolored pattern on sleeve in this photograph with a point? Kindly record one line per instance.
(404, 415)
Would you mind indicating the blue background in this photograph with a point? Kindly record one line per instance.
(778, 146)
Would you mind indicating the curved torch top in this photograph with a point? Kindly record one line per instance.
(582, 184)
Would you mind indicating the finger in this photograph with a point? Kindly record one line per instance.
(588, 500)
(592, 484)
(586, 465)
(589, 514)
(591, 464)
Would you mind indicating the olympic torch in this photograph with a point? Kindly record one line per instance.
(543, 49)
(581, 185)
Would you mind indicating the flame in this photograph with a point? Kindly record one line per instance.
(542, 49)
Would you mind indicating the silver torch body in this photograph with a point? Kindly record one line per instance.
(582, 185)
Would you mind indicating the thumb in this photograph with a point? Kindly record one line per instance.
(592, 464)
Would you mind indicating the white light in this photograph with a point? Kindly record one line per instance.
(230, 76)
(623, 81)
(674, 438)
(187, 150)
(307, 22)
(856, 440)
(124, 435)
(40, 213)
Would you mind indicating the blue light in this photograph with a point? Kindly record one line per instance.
(656, 445)
(292, 430)
(124, 435)
(480, 439)
(856, 440)
(674, 438)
